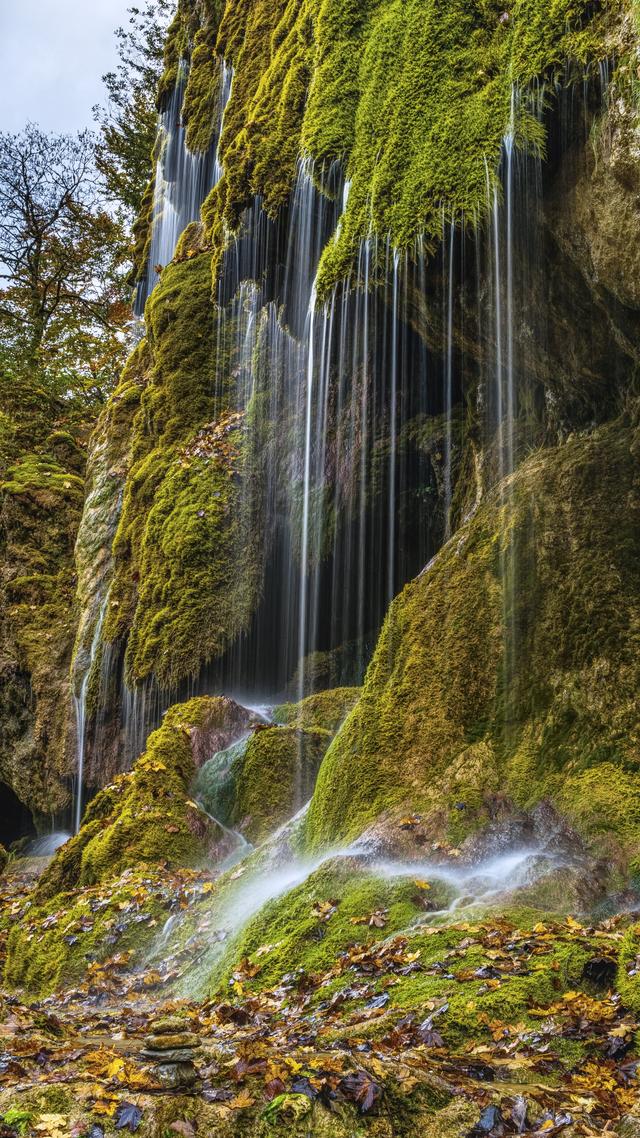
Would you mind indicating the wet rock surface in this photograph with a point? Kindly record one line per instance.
(173, 1050)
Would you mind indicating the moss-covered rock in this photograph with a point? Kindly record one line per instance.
(177, 600)
(147, 817)
(259, 783)
(41, 497)
(324, 709)
(413, 100)
(508, 668)
(278, 775)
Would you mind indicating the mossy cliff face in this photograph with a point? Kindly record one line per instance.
(41, 501)
(413, 100)
(176, 596)
(507, 670)
(414, 103)
(107, 468)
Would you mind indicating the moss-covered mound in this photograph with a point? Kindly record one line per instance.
(473, 973)
(324, 709)
(147, 817)
(509, 669)
(59, 941)
(259, 783)
(339, 905)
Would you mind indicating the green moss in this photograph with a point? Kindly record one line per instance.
(107, 466)
(201, 107)
(628, 981)
(510, 667)
(184, 524)
(56, 942)
(258, 783)
(300, 934)
(278, 775)
(41, 497)
(325, 709)
(146, 817)
(413, 99)
(472, 1006)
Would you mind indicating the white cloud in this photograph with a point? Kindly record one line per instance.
(52, 56)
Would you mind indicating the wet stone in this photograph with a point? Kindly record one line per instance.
(168, 1025)
(178, 1055)
(170, 1042)
(174, 1075)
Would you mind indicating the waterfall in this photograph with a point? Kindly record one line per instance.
(80, 707)
(355, 409)
(183, 179)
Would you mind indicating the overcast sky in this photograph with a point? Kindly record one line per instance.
(52, 56)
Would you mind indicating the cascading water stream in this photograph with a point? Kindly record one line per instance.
(80, 706)
(182, 181)
(354, 412)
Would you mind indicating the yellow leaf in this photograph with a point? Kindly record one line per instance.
(105, 1106)
(115, 1069)
(241, 1101)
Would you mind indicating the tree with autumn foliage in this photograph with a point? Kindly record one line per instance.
(128, 120)
(63, 294)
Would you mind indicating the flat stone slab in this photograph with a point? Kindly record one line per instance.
(169, 1042)
(179, 1055)
(168, 1025)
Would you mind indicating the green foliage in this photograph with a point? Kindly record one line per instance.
(18, 1119)
(63, 301)
(128, 122)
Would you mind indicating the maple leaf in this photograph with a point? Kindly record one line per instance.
(128, 1117)
(360, 1088)
(241, 1101)
(324, 909)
